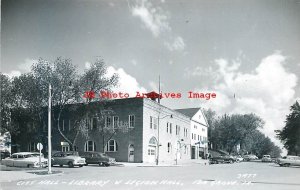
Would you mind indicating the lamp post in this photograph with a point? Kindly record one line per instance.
(49, 131)
(158, 144)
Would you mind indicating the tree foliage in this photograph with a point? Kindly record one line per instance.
(290, 134)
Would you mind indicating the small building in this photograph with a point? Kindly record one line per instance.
(198, 132)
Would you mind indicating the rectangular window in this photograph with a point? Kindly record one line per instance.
(167, 127)
(170, 128)
(195, 126)
(195, 136)
(155, 123)
(131, 121)
(176, 129)
(151, 122)
(69, 125)
(108, 121)
(94, 123)
(192, 136)
(115, 121)
(198, 137)
(203, 129)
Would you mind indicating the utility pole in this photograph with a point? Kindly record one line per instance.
(49, 130)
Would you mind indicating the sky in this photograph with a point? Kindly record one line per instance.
(247, 52)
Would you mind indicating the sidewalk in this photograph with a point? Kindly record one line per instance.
(162, 164)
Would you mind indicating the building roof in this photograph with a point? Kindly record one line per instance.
(190, 112)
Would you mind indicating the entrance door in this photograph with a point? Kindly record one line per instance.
(193, 150)
(152, 154)
(131, 153)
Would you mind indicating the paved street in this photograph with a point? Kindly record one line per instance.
(245, 175)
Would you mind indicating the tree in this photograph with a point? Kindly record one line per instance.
(290, 134)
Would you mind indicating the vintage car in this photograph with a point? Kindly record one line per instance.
(97, 158)
(289, 161)
(222, 159)
(70, 159)
(25, 159)
(250, 157)
(266, 158)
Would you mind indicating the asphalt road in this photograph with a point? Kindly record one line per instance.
(241, 176)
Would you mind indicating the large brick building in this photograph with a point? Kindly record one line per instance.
(155, 132)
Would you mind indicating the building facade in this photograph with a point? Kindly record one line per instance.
(137, 130)
(198, 132)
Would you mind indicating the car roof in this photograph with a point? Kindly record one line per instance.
(25, 153)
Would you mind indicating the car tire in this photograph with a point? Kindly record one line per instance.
(70, 164)
(286, 165)
(106, 164)
(230, 162)
(30, 166)
(86, 164)
(60, 165)
(80, 166)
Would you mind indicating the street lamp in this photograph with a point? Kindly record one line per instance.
(49, 130)
(158, 144)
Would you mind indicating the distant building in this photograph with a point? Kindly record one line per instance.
(198, 132)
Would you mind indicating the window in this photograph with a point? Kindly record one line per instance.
(32, 147)
(153, 122)
(107, 121)
(169, 147)
(195, 136)
(203, 129)
(90, 146)
(131, 121)
(185, 132)
(111, 146)
(65, 148)
(69, 125)
(195, 126)
(167, 127)
(170, 128)
(192, 136)
(198, 137)
(201, 138)
(115, 122)
(177, 130)
(88, 123)
(94, 123)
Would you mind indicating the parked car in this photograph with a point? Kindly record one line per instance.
(266, 158)
(289, 161)
(222, 159)
(4, 154)
(239, 158)
(97, 158)
(25, 159)
(67, 158)
(250, 157)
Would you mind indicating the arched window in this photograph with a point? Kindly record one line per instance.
(153, 141)
(90, 146)
(111, 146)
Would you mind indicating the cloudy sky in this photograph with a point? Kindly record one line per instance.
(247, 52)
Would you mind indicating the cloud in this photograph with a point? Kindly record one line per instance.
(26, 65)
(153, 18)
(127, 83)
(87, 65)
(157, 21)
(268, 91)
(134, 62)
(178, 44)
(13, 73)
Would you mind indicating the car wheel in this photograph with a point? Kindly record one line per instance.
(230, 161)
(101, 164)
(280, 165)
(70, 164)
(30, 166)
(86, 164)
(106, 164)
(60, 165)
(286, 165)
(80, 166)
